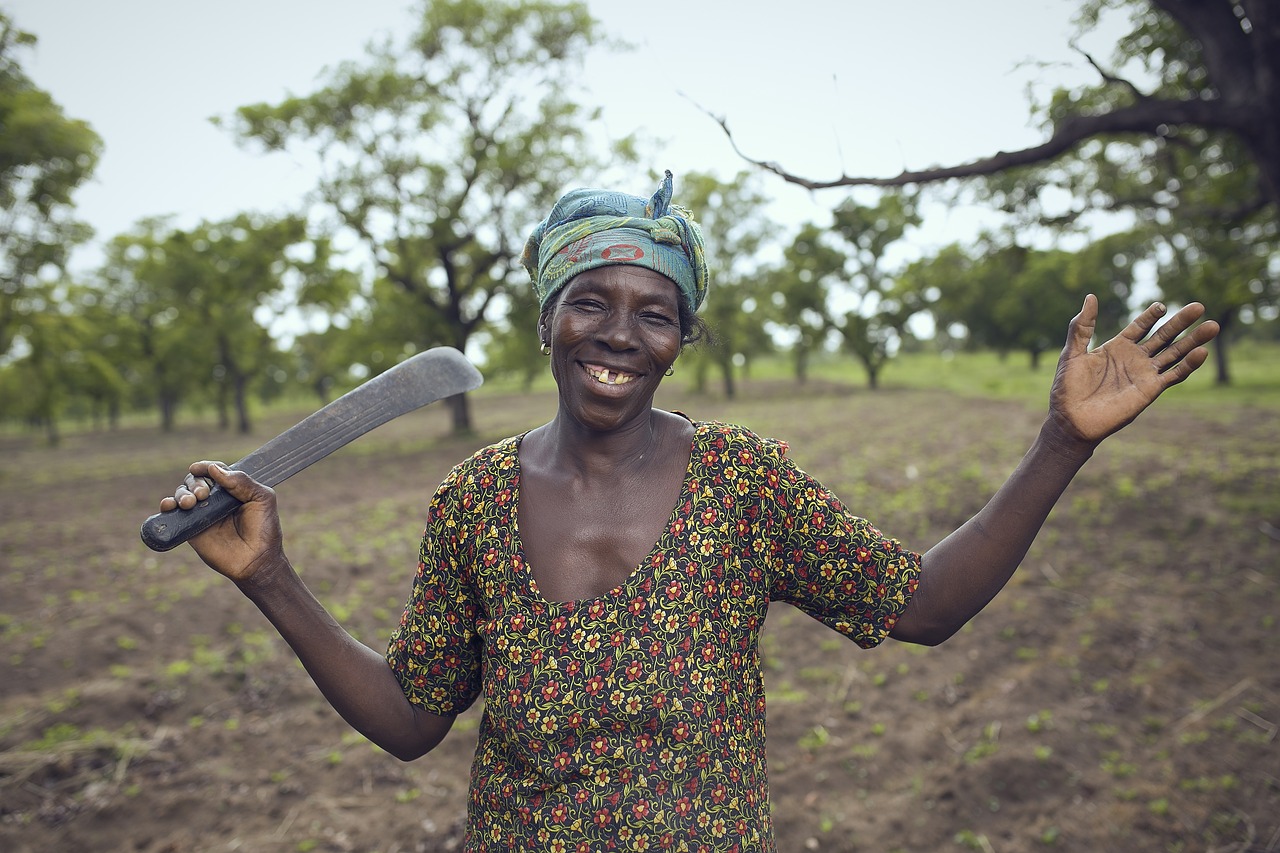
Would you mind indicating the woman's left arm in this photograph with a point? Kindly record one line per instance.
(1095, 393)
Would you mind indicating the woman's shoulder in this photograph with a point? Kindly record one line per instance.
(490, 463)
(722, 436)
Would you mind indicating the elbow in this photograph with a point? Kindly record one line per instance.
(924, 635)
(410, 744)
(407, 754)
(925, 625)
(410, 750)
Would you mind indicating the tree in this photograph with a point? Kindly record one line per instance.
(231, 274)
(730, 215)
(44, 157)
(1011, 298)
(138, 285)
(513, 345)
(42, 375)
(799, 294)
(441, 155)
(202, 303)
(1222, 74)
(1183, 130)
(873, 330)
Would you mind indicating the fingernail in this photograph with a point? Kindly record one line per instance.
(1159, 306)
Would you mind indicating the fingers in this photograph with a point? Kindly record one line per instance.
(1176, 353)
(241, 486)
(1185, 367)
(1173, 327)
(1142, 325)
(1082, 327)
(200, 480)
(192, 490)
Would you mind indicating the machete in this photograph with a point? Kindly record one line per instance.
(424, 378)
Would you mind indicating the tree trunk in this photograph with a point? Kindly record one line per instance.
(321, 387)
(726, 371)
(461, 414)
(1222, 372)
(700, 371)
(242, 405)
(223, 406)
(168, 408)
(461, 334)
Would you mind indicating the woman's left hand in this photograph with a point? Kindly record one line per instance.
(1095, 393)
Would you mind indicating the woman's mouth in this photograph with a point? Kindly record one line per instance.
(605, 376)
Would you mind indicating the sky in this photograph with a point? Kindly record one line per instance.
(819, 86)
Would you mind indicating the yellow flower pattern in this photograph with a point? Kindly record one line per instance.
(634, 721)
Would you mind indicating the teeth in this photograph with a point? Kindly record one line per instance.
(608, 377)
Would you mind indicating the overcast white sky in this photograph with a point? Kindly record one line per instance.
(817, 85)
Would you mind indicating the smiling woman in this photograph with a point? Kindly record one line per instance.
(602, 580)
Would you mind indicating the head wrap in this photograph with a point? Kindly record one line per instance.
(590, 228)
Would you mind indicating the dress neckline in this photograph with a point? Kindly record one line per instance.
(638, 571)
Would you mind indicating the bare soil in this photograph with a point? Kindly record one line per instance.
(1122, 694)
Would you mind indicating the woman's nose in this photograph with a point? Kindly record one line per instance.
(617, 331)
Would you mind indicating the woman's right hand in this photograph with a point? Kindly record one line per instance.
(246, 543)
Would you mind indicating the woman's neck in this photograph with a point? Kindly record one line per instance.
(566, 446)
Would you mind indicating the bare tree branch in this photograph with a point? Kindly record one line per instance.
(1145, 117)
(1108, 77)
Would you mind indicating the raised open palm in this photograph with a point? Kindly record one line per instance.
(1096, 392)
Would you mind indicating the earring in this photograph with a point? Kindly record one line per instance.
(671, 371)
(546, 350)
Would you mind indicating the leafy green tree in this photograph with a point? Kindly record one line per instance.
(441, 153)
(513, 348)
(874, 329)
(1010, 298)
(1237, 261)
(44, 157)
(734, 228)
(161, 336)
(42, 377)
(101, 358)
(799, 294)
(232, 272)
(202, 303)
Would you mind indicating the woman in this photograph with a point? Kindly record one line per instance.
(601, 580)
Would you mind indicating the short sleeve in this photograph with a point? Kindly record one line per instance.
(435, 652)
(826, 561)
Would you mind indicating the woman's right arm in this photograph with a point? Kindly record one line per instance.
(247, 547)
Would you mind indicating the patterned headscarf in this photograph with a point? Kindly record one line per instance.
(590, 228)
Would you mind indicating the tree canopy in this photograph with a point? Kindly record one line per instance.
(439, 154)
(44, 157)
(1182, 132)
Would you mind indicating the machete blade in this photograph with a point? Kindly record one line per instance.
(413, 383)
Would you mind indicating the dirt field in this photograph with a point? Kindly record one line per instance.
(1123, 694)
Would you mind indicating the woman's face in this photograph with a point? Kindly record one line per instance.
(614, 332)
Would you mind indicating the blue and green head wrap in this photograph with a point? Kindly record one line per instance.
(591, 228)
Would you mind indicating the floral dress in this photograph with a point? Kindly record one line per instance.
(635, 720)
